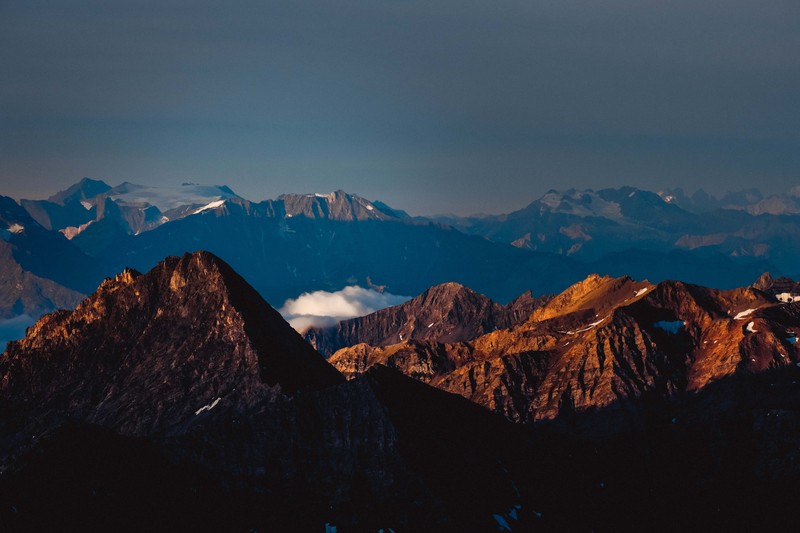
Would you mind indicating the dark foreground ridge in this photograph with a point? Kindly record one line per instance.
(178, 400)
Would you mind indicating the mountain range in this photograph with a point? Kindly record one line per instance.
(179, 399)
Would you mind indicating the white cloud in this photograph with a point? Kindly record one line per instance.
(321, 308)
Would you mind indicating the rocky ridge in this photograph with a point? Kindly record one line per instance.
(186, 370)
(449, 312)
(604, 341)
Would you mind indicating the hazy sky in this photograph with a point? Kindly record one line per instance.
(431, 106)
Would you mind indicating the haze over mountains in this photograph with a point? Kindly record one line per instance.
(309, 242)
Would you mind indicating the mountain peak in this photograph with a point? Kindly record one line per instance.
(448, 312)
(85, 189)
(598, 293)
(187, 332)
(337, 205)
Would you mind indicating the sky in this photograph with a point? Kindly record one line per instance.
(430, 106)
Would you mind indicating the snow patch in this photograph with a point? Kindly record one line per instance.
(750, 327)
(587, 328)
(370, 208)
(16, 228)
(640, 292)
(86, 205)
(212, 205)
(744, 314)
(208, 407)
(670, 326)
(431, 324)
(787, 297)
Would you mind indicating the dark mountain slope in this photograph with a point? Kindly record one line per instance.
(215, 389)
(287, 256)
(44, 253)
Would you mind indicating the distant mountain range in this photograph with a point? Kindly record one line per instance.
(588, 225)
(303, 242)
(179, 399)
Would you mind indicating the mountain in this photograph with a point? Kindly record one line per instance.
(130, 318)
(337, 205)
(604, 341)
(605, 226)
(783, 289)
(328, 241)
(70, 207)
(449, 312)
(180, 399)
(585, 223)
(134, 208)
(43, 253)
(335, 246)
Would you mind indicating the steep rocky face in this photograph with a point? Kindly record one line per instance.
(146, 351)
(449, 312)
(601, 342)
(186, 370)
(337, 205)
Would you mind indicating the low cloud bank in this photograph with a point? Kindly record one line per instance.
(12, 329)
(321, 308)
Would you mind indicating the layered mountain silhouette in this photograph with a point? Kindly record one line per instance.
(40, 270)
(590, 225)
(180, 400)
(310, 242)
(304, 242)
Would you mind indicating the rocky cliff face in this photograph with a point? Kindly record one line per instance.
(145, 352)
(449, 312)
(601, 342)
(186, 371)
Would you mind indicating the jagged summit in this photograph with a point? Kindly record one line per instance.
(189, 331)
(603, 341)
(337, 205)
(448, 312)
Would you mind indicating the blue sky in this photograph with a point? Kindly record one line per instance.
(430, 106)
